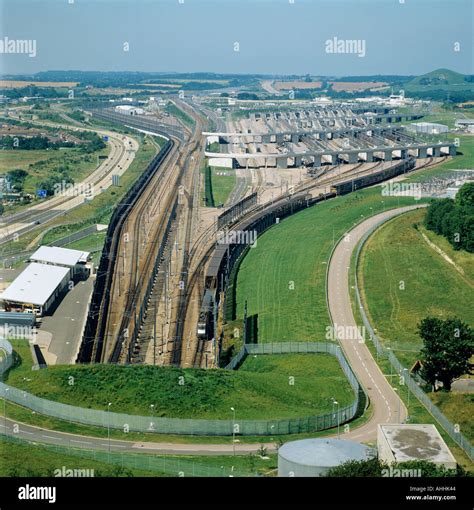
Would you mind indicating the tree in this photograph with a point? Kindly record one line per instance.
(465, 195)
(17, 178)
(447, 348)
(358, 468)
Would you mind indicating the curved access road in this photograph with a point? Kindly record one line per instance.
(387, 407)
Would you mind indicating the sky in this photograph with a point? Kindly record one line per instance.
(272, 36)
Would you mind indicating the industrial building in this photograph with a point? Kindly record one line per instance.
(36, 289)
(465, 124)
(427, 128)
(75, 260)
(314, 457)
(403, 443)
(50, 270)
(129, 110)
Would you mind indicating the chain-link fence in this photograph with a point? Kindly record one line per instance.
(412, 384)
(166, 465)
(126, 422)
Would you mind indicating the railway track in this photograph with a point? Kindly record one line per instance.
(137, 246)
(124, 246)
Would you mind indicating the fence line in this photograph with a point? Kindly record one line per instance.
(453, 430)
(159, 464)
(211, 427)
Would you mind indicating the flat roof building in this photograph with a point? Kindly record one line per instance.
(36, 288)
(59, 256)
(76, 260)
(403, 443)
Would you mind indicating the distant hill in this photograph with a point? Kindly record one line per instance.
(441, 79)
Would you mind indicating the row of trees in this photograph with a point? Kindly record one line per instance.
(33, 143)
(454, 219)
(374, 467)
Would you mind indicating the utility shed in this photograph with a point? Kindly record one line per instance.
(36, 288)
(402, 443)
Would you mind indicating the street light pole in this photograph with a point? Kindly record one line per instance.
(233, 430)
(152, 407)
(108, 425)
(336, 403)
(390, 363)
(408, 390)
(5, 412)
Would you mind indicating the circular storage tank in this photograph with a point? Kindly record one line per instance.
(314, 457)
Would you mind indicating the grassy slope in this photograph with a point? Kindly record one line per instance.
(259, 390)
(297, 250)
(397, 253)
(92, 243)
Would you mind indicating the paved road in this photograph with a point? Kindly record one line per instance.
(41, 435)
(385, 402)
(386, 405)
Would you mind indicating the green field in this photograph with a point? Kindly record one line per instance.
(260, 389)
(40, 163)
(398, 253)
(223, 182)
(283, 278)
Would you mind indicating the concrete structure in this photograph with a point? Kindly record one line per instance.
(402, 443)
(466, 124)
(342, 155)
(314, 457)
(428, 128)
(297, 136)
(222, 162)
(75, 260)
(36, 288)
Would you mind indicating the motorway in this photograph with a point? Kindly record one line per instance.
(384, 401)
(122, 153)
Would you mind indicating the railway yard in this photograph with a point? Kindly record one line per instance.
(236, 243)
(152, 289)
(163, 288)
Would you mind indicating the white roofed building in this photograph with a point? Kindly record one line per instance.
(75, 260)
(36, 288)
